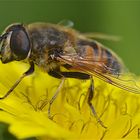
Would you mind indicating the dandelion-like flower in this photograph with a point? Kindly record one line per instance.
(26, 108)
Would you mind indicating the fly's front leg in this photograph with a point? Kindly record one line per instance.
(90, 97)
(28, 72)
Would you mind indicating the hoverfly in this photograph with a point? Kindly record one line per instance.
(51, 46)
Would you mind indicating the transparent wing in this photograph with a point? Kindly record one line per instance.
(102, 36)
(97, 65)
(66, 23)
(121, 80)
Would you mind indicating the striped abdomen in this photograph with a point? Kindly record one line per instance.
(92, 50)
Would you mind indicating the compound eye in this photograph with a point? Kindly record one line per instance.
(20, 44)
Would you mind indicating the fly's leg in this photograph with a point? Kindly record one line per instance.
(90, 97)
(28, 72)
(55, 96)
(62, 75)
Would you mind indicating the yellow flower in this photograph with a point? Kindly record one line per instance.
(26, 108)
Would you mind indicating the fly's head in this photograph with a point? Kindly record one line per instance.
(14, 43)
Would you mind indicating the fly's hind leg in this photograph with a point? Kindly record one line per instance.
(90, 97)
(78, 75)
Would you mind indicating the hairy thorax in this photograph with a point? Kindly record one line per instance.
(48, 41)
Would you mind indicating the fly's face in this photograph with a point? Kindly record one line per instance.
(15, 44)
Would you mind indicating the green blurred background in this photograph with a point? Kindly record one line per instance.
(112, 17)
(120, 18)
